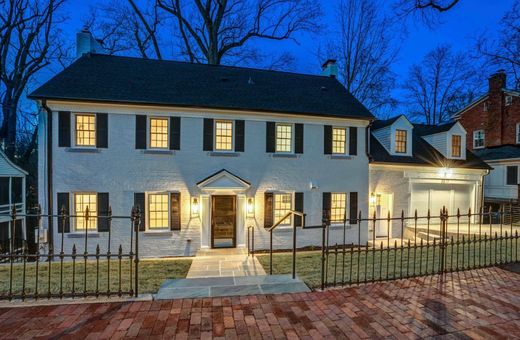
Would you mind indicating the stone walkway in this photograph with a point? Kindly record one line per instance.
(479, 304)
(224, 263)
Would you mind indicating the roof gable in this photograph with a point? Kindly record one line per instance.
(223, 180)
(8, 168)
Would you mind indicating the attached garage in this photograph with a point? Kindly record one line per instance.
(435, 196)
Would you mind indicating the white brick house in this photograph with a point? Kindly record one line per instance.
(205, 151)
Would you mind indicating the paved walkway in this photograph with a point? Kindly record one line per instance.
(482, 303)
(224, 263)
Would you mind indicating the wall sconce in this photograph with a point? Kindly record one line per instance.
(445, 172)
(250, 207)
(372, 199)
(195, 207)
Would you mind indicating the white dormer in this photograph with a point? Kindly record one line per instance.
(396, 137)
(451, 143)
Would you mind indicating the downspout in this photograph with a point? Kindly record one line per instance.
(50, 207)
(482, 190)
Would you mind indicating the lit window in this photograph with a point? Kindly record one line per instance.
(400, 141)
(158, 211)
(81, 202)
(478, 138)
(159, 133)
(282, 205)
(223, 135)
(338, 204)
(85, 130)
(456, 146)
(339, 140)
(283, 138)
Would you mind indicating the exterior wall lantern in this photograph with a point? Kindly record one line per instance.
(372, 199)
(250, 207)
(195, 207)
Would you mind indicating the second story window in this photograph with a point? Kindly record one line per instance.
(518, 133)
(284, 137)
(86, 130)
(456, 147)
(478, 139)
(509, 100)
(223, 135)
(339, 141)
(400, 141)
(159, 133)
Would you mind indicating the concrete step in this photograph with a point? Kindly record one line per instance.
(229, 286)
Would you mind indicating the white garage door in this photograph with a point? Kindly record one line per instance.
(435, 196)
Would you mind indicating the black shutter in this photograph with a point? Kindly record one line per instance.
(16, 189)
(102, 211)
(175, 208)
(298, 138)
(298, 206)
(239, 135)
(327, 139)
(512, 175)
(140, 132)
(175, 133)
(353, 214)
(139, 202)
(102, 130)
(63, 203)
(4, 190)
(208, 134)
(268, 210)
(64, 129)
(326, 205)
(270, 137)
(352, 141)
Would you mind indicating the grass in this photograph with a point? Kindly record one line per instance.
(376, 264)
(151, 275)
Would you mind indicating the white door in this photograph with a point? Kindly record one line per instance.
(383, 207)
(435, 196)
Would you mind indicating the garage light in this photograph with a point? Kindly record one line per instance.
(445, 172)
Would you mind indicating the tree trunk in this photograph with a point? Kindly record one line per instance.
(9, 108)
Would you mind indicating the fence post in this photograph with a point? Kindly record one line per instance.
(137, 219)
(324, 222)
(444, 222)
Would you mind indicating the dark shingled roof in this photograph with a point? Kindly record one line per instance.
(499, 152)
(423, 153)
(381, 123)
(424, 129)
(103, 78)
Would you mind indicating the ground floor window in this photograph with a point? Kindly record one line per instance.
(282, 205)
(158, 208)
(338, 206)
(82, 201)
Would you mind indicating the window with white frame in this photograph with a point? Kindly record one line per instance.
(486, 106)
(518, 133)
(223, 135)
(456, 146)
(478, 139)
(282, 205)
(158, 211)
(509, 100)
(338, 206)
(85, 130)
(82, 201)
(401, 137)
(339, 141)
(159, 133)
(284, 137)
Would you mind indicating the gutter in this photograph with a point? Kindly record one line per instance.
(50, 207)
(367, 141)
(482, 191)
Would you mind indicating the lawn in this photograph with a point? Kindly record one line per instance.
(358, 265)
(151, 275)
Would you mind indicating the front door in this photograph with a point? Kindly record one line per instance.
(383, 207)
(223, 221)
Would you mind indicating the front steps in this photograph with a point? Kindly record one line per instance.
(229, 286)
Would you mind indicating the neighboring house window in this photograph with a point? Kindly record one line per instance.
(517, 133)
(81, 202)
(339, 141)
(512, 175)
(159, 133)
(486, 106)
(158, 210)
(85, 130)
(223, 135)
(456, 145)
(338, 205)
(400, 141)
(478, 138)
(282, 205)
(284, 137)
(509, 100)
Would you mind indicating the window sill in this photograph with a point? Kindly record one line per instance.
(82, 235)
(284, 155)
(158, 152)
(224, 153)
(340, 157)
(85, 150)
(158, 233)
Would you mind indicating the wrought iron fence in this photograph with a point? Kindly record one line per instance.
(74, 272)
(426, 245)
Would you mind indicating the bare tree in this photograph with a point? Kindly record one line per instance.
(26, 46)
(440, 85)
(212, 30)
(365, 50)
(504, 52)
(426, 10)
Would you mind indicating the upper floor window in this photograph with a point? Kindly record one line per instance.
(400, 141)
(338, 205)
(159, 133)
(282, 205)
(512, 175)
(339, 140)
(223, 135)
(456, 146)
(85, 130)
(284, 138)
(82, 201)
(509, 100)
(478, 139)
(158, 210)
(518, 133)
(486, 106)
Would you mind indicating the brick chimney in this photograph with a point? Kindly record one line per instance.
(497, 81)
(329, 68)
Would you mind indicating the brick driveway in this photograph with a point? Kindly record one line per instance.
(481, 303)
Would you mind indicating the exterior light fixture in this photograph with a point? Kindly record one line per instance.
(372, 199)
(445, 172)
(195, 208)
(250, 207)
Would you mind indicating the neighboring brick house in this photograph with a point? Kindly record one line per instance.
(493, 122)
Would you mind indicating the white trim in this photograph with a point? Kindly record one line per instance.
(74, 129)
(149, 132)
(347, 133)
(241, 185)
(484, 139)
(147, 222)
(215, 121)
(292, 125)
(74, 228)
(14, 166)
